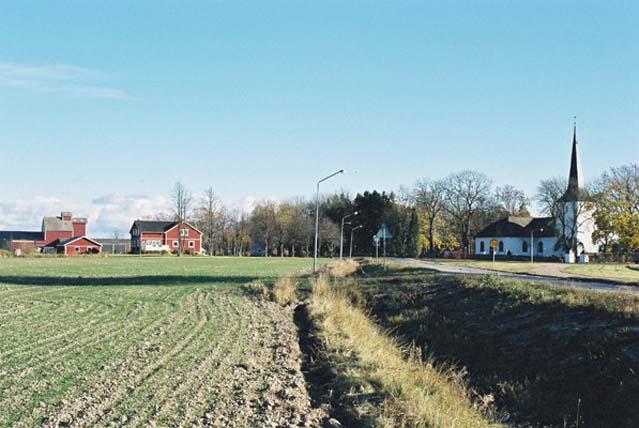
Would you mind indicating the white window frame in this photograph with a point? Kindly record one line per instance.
(184, 232)
(191, 244)
(175, 244)
(76, 249)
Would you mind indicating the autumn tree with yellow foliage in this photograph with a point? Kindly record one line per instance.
(617, 208)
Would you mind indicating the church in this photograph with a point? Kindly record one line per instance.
(568, 236)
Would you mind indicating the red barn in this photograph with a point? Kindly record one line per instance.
(53, 231)
(77, 246)
(164, 236)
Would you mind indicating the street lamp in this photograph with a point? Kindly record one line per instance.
(341, 171)
(532, 246)
(341, 235)
(350, 253)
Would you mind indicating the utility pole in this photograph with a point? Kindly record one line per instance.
(532, 245)
(341, 171)
(341, 236)
(350, 252)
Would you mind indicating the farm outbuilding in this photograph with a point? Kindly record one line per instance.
(77, 246)
(114, 246)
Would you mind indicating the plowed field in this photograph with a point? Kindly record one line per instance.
(126, 341)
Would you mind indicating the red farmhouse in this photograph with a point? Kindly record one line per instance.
(162, 236)
(54, 237)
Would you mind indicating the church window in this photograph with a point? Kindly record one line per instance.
(482, 246)
(540, 247)
(501, 246)
(524, 247)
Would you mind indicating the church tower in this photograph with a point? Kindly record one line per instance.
(576, 224)
(576, 187)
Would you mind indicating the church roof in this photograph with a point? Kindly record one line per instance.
(515, 227)
(575, 190)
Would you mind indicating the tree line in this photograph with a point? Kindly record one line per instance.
(432, 216)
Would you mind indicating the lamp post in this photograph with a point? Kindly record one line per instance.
(350, 252)
(341, 171)
(532, 246)
(341, 235)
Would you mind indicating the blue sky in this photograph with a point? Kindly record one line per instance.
(104, 105)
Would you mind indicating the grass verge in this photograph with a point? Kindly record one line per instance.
(609, 271)
(550, 356)
(380, 383)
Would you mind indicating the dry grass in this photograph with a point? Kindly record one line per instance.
(257, 288)
(538, 349)
(285, 291)
(413, 394)
(340, 269)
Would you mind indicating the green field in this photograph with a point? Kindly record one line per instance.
(145, 341)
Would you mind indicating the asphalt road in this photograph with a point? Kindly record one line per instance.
(448, 269)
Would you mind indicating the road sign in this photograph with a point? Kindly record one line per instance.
(493, 245)
(383, 232)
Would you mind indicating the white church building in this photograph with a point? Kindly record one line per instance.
(567, 236)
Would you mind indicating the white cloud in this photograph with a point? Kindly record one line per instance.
(106, 214)
(247, 204)
(25, 214)
(117, 211)
(68, 79)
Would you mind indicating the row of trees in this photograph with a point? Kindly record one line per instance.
(287, 228)
(430, 217)
(456, 207)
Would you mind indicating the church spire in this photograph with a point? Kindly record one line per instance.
(575, 178)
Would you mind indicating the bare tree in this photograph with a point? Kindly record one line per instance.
(182, 200)
(430, 197)
(549, 193)
(467, 193)
(208, 217)
(512, 201)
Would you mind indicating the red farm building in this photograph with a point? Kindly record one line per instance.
(76, 246)
(54, 237)
(165, 237)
